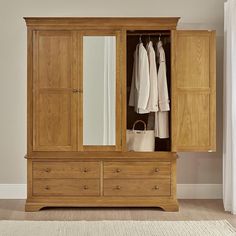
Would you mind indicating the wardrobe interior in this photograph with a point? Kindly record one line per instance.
(134, 38)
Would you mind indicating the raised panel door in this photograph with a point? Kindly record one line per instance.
(55, 90)
(193, 91)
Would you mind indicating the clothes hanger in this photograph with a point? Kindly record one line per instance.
(140, 38)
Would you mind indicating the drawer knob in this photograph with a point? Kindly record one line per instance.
(156, 187)
(85, 187)
(86, 170)
(47, 170)
(47, 187)
(118, 170)
(117, 187)
(157, 170)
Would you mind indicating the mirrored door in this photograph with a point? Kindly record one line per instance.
(101, 91)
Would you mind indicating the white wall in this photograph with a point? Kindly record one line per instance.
(192, 168)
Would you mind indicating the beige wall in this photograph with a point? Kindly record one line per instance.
(192, 168)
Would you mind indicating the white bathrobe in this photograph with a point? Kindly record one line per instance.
(140, 86)
(162, 116)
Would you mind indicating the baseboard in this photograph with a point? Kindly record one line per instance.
(184, 191)
(199, 191)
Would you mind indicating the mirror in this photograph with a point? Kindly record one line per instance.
(99, 90)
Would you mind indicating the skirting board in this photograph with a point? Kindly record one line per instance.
(184, 191)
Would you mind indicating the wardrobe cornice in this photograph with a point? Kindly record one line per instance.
(167, 23)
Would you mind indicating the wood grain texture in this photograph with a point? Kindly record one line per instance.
(38, 203)
(136, 187)
(56, 182)
(159, 170)
(65, 170)
(213, 89)
(193, 91)
(29, 91)
(123, 88)
(76, 23)
(55, 105)
(149, 156)
(66, 187)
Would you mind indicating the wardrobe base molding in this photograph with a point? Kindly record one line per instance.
(166, 204)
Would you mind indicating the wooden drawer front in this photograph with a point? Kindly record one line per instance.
(138, 187)
(136, 170)
(66, 187)
(65, 170)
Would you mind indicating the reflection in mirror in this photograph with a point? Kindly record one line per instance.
(99, 90)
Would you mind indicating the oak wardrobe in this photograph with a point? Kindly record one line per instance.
(79, 79)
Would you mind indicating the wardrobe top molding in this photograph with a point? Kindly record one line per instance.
(125, 23)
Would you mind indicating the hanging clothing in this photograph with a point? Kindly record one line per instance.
(152, 105)
(140, 85)
(160, 120)
(162, 116)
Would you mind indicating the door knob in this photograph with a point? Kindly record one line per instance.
(75, 90)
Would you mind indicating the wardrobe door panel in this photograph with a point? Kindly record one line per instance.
(54, 97)
(193, 91)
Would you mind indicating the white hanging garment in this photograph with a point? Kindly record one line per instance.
(140, 86)
(161, 118)
(152, 105)
(133, 92)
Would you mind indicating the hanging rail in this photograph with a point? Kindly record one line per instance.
(147, 34)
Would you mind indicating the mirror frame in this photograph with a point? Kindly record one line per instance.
(117, 146)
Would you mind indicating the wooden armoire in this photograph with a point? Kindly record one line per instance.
(79, 77)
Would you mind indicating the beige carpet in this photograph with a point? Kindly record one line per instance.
(116, 228)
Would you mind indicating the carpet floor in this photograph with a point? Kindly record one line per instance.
(116, 228)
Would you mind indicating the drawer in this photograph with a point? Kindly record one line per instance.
(65, 170)
(66, 187)
(136, 187)
(136, 170)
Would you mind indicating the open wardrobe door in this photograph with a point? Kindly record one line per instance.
(193, 97)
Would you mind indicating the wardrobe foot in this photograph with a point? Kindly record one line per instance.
(173, 207)
(31, 207)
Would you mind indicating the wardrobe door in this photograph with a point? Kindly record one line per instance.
(193, 97)
(100, 80)
(55, 90)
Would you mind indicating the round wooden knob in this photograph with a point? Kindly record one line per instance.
(75, 90)
(156, 187)
(47, 170)
(157, 170)
(85, 170)
(118, 170)
(85, 187)
(47, 187)
(118, 187)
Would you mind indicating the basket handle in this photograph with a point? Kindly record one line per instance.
(140, 121)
